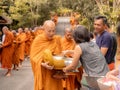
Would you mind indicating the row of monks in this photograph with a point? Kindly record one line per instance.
(16, 46)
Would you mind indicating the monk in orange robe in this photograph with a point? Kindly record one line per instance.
(7, 50)
(67, 43)
(27, 42)
(20, 40)
(32, 35)
(54, 18)
(42, 75)
(15, 58)
(72, 21)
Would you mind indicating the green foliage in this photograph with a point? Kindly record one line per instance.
(62, 11)
(28, 13)
(111, 10)
(88, 10)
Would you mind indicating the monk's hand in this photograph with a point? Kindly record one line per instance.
(1, 46)
(14, 41)
(47, 66)
(64, 52)
(65, 70)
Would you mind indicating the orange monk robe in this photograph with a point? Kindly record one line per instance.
(42, 76)
(15, 58)
(72, 81)
(72, 22)
(21, 42)
(32, 36)
(27, 43)
(55, 19)
(7, 51)
(67, 45)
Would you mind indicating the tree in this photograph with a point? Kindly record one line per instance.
(111, 9)
(86, 8)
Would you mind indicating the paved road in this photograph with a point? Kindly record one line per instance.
(63, 22)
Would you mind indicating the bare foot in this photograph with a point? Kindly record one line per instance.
(8, 74)
(17, 69)
(20, 65)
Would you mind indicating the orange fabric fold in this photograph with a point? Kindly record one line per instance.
(15, 59)
(42, 76)
(7, 51)
(27, 43)
(21, 48)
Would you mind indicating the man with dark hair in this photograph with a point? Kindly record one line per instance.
(103, 39)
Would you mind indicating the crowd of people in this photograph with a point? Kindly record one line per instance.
(96, 52)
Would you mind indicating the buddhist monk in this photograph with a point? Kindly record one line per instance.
(43, 75)
(21, 41)
(32, 35)
(67, 43)
(54, 18)
(27, 42)
(72, 21)
(7, 50)
(15, 58)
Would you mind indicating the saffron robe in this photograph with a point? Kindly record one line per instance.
(7, 51)
(71, 83)
(43, 77)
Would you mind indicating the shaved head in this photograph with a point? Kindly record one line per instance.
(20, 30)
(49, 28)
(68, 30)
(5, 29)
(49, 23)
(68, 33)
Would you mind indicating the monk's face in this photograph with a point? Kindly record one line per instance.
(20, 30)
(4, 29)
(26, 30)
(68, 35)
(50, 32)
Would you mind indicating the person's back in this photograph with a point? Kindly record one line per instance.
(92, 60)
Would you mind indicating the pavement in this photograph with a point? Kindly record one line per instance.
(63, 22)
(19, 80)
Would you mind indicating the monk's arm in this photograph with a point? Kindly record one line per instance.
(22, 39)
(10, 41)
